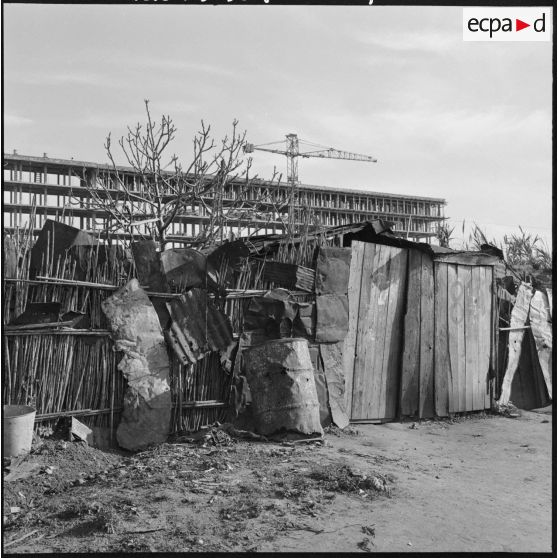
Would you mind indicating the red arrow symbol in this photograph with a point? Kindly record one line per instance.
(519, 25)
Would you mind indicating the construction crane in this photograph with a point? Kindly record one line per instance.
(293, 152)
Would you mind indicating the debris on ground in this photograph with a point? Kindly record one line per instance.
(507, 410)
(339, 432)
(345, 479)
(79, 430)
(365, 544)
(217, 434)
(239, 497)
(218, 493)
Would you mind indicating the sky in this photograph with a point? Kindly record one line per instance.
(470, 122)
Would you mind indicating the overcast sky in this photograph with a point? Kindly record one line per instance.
(469, 122)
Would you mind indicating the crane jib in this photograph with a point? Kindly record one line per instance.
(292, 152)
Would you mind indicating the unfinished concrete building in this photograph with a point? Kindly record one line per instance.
(60, 189)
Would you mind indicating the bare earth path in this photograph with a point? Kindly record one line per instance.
(476, 484)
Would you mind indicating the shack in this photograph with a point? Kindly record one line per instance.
(421, 325)
(396, 328)
(421, 332)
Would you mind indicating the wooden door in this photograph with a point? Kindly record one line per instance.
(447, 342)
(464, 302)
(377, 288)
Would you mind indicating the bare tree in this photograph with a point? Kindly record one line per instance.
(162, 190)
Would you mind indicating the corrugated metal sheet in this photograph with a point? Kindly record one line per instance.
(290, 276)
(332, 318)
(197, 327)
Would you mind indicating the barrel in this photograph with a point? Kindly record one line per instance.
(282, 387)
(17, 430)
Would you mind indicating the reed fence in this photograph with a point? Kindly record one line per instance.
(63, 372)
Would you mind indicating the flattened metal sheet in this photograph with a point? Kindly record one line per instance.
(332, 318)
(332, 270)
(184, 267)
(321, 386)
(148, 265)
(332, 358)
(278, 316)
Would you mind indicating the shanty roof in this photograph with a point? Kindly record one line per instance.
(379, 232)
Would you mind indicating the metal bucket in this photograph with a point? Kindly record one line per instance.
(17, 429)
(281, 380)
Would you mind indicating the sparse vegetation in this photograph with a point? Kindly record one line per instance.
(526, 254)
(444, 234)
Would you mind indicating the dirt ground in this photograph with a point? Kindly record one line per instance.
(479, 483)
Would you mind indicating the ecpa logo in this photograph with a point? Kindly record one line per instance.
(507, 24)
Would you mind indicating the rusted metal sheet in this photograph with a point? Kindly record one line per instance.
(290, 276)
(332, 318)
(184, 268)
(39, 313)
(148, 266)
(332, 358)
(150, 275)
(197, 326)
(53, 240)
(228, 255)
(332, 270)
(281, 379)
(277, 316)
(321, 386)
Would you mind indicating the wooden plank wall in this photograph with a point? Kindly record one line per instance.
(377, 288)
(448, 338)
(353, 292)
(426, 358)
(417, 371)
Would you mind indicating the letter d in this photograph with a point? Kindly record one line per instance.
(542, 21)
